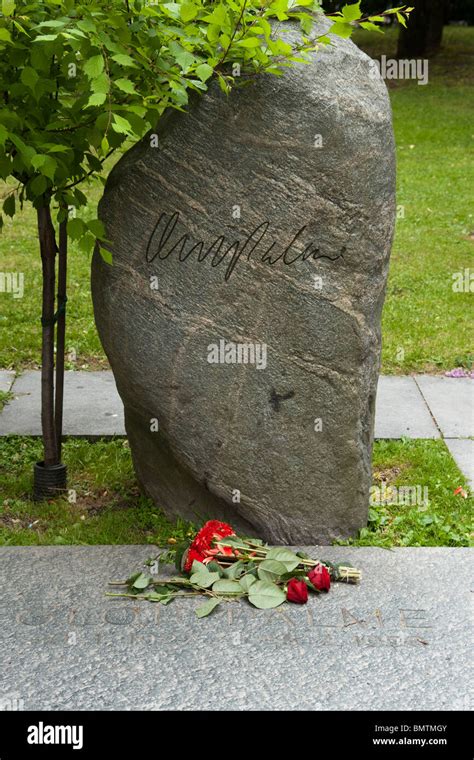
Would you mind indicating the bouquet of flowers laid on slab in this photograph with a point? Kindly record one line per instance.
(221, 566)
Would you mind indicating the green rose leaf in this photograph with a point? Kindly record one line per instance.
(271, 569)
(214, 567)
(227, 587)
(246, 581)
(265, 595)
(167, 599)
(156, 597)
(143, 581)
(231, 541)
(201, 576)
(206, 608)
(235, 570)
(286, 556)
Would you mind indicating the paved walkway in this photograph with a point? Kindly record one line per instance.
(420, 406)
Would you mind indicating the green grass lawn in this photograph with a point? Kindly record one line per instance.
(425, 323)
(110, 510)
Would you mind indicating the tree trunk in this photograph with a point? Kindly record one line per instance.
(434, 33)
(61, 333)
(424, 30)
(47, 241)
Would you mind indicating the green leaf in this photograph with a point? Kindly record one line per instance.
(9, 205)
(8, 6)
(126, 86)
(167, 599)
(206, 608)
(271, 569)
(5, 35)
(76, 228)
(29, 77)
(124, 60)
(45, 165)
(352, 12)
(235, 570)
(201, 576)
(265, 595)
(227, 587)
(231, 541)
(250, 42)
(100, 83)
(184, 59)
(96, 99)
(38, 185)
(247, 580)
(97, 228)
(188, 11)
(401, 20)
(341, 29)
(121, 125)
(94, 66)
(302, 554)
(370, 27)
(46, 38)
(3, 135)
(106, 255)
(286, 556)
(143, 581)
(155, 596)
(204, 71)
(214, 567)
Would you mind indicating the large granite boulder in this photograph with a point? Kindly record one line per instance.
(241, 315)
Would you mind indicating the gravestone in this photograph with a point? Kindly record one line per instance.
(241, 316)
(401, 640)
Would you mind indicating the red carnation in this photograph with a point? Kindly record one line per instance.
(192, 555)
(320, 578)
(202, 548)
(297, 591)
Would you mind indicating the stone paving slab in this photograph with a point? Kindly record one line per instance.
(451, 401)
(462, 451)
(6, 380)
(402, 640)
(401, 411)
(92, 406)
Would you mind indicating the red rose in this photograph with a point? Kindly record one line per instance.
(320, 578)
(297, 591)
(202, 547)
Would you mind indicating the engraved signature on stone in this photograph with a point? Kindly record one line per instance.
(165, 239)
